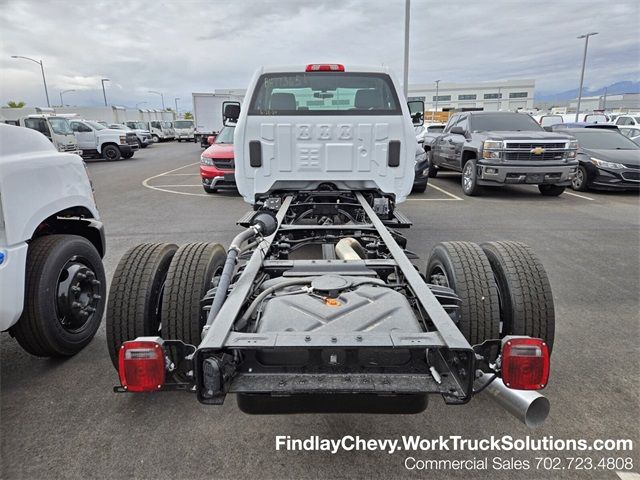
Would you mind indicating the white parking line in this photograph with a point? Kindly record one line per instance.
(145, 182)
(455, 197)
(580, 196)
(167, 186)
(451, 195)
(181, 174)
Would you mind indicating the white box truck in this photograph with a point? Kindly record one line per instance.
(207, 108)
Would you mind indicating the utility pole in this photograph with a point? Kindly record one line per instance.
(584, 61)
(44, 80)
(407, 14)
(104, 92)
(604, 100)
(437, 90)
(62, 93)
(161, 96)
(176, 100)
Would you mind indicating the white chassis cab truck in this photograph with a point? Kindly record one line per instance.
(316, 305)
(52, 281)
(185, 130)
(55, 128)
(97, 140)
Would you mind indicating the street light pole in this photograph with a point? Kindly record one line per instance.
(62, 93)
(104, 92)
(44, 80)
(176, 100)
(407, 15)
(161, 96)
(437, 89)
(584, 61)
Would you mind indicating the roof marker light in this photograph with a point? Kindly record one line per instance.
(325, 67)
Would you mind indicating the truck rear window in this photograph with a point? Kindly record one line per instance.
(324, 93)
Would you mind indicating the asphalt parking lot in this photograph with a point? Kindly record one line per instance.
(60, 418)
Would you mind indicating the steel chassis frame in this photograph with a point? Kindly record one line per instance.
(449, 369)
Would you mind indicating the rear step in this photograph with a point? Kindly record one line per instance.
(245, 220)
(399, 220)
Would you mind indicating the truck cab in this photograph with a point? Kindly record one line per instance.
(97, 140)
(184, 130)
(55, 128)
(161, 131)
(305, 127)
(52, 281)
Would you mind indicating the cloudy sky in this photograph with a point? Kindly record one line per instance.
(179, 47)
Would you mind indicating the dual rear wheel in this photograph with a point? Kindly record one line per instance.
(156, 291)
(502, 286)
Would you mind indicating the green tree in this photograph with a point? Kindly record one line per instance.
(188, 116)
(12, 104)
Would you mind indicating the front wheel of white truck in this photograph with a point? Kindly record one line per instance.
(65, 294)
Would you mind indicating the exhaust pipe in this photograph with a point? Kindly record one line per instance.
(349, 249)
(528, 406)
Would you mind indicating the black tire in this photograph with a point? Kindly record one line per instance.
(179, 140)
(127, 155)
(551, 190)
(156, 138)
(210, 190)
(53, 322)
(464, 267)
(135, 296)
(420, 187)
(469, 179)
(140, 143)
(580, 182)
(526, 302)
(433, 170)
(111, 153)
(189, 278)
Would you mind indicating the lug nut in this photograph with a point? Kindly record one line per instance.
(76, 305)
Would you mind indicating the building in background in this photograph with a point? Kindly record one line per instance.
(496, 95)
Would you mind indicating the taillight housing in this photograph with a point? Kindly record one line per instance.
(325, 67)
(525, 363)
(141, 365)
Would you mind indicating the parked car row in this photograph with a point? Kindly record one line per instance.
(498, 148)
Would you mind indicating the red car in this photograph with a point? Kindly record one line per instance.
(216, 163)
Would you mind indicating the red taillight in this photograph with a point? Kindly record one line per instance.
(525, 363)
(325, 67)
(141, 366)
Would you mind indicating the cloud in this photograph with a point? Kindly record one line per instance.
(179, 47)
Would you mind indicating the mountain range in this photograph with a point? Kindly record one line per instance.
(627, 86)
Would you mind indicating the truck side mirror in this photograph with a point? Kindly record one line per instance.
(458, 131)
(230, 112)
(416, 110)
